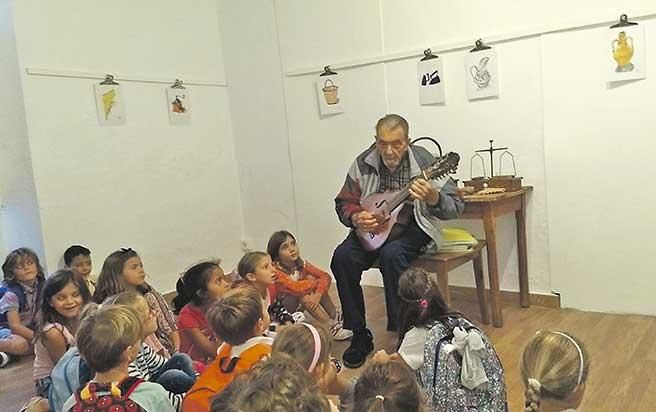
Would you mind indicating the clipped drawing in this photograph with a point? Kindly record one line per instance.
(481, 74)
(330, 92)
(179, 105)
(623, 52)
(108, 99)
(110, 104)
(430, 81)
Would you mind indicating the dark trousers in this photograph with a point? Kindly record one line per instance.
(350, 259)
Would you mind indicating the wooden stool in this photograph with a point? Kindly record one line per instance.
(442, 263)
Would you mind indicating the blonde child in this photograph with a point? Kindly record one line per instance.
(123, 270)
(175, 374)
(388, 387)
(239, 319)
(198, 288)
(109, 341)
(64, 295)
(309, 344)
(303, 285)
(277, 384)
(554, 367)
(20, 295)
(78, 259)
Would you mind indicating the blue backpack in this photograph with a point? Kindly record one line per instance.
(16, 290)
(69, 374)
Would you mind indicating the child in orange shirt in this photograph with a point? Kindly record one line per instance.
(239, 318)
(304, 286)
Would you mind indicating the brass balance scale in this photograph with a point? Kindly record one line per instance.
(493, 184)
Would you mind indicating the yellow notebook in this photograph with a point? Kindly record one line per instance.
(456, 239)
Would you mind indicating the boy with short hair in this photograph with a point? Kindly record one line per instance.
(78, 259)
(109, 341)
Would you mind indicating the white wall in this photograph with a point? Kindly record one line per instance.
(19, 216)
(171, 193)
(257, 102)
(599, 146)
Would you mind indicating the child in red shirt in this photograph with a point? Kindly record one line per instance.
(198, 288)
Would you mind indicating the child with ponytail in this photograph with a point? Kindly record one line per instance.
(198, 288)
(455, 361)
(554, 369)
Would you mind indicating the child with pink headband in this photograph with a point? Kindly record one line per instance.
(309, 344)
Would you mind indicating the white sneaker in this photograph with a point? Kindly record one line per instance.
(337, 328)
(339, 333)
(4, 359)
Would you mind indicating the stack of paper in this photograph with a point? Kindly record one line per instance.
(456, 240)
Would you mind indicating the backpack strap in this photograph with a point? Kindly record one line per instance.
(230, 366)
(128, 385)
(88, 393)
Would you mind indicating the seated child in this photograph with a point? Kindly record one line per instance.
(78, 259)
(431, 334)
(239, 319)
(554, 369)
(198, 288)
(309, 345)
(109, 341)
(64, 295)
(277, 384)
(255, 269)
(390, 387)
(176, 374)
(303, 285)
(20, 294)
(123, 270)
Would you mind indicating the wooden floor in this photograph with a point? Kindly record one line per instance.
(622, 349)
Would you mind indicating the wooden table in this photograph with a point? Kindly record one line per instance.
(488, 208)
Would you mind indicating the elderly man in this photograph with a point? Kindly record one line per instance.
(388, 165)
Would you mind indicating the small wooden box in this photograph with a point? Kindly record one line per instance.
(510, 183)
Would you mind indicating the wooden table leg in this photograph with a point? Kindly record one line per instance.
(480, 288)
(520, 217)
(489, 224)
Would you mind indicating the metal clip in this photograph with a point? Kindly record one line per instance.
(479, 46)
(109, 80)
(624, 21)
(428, 55)
(327, 71)
(178, 85)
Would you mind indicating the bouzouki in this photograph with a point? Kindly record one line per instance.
(386, 206)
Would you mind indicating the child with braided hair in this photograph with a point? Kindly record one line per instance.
(554, 369)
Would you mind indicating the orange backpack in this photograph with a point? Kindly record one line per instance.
(220, 373)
